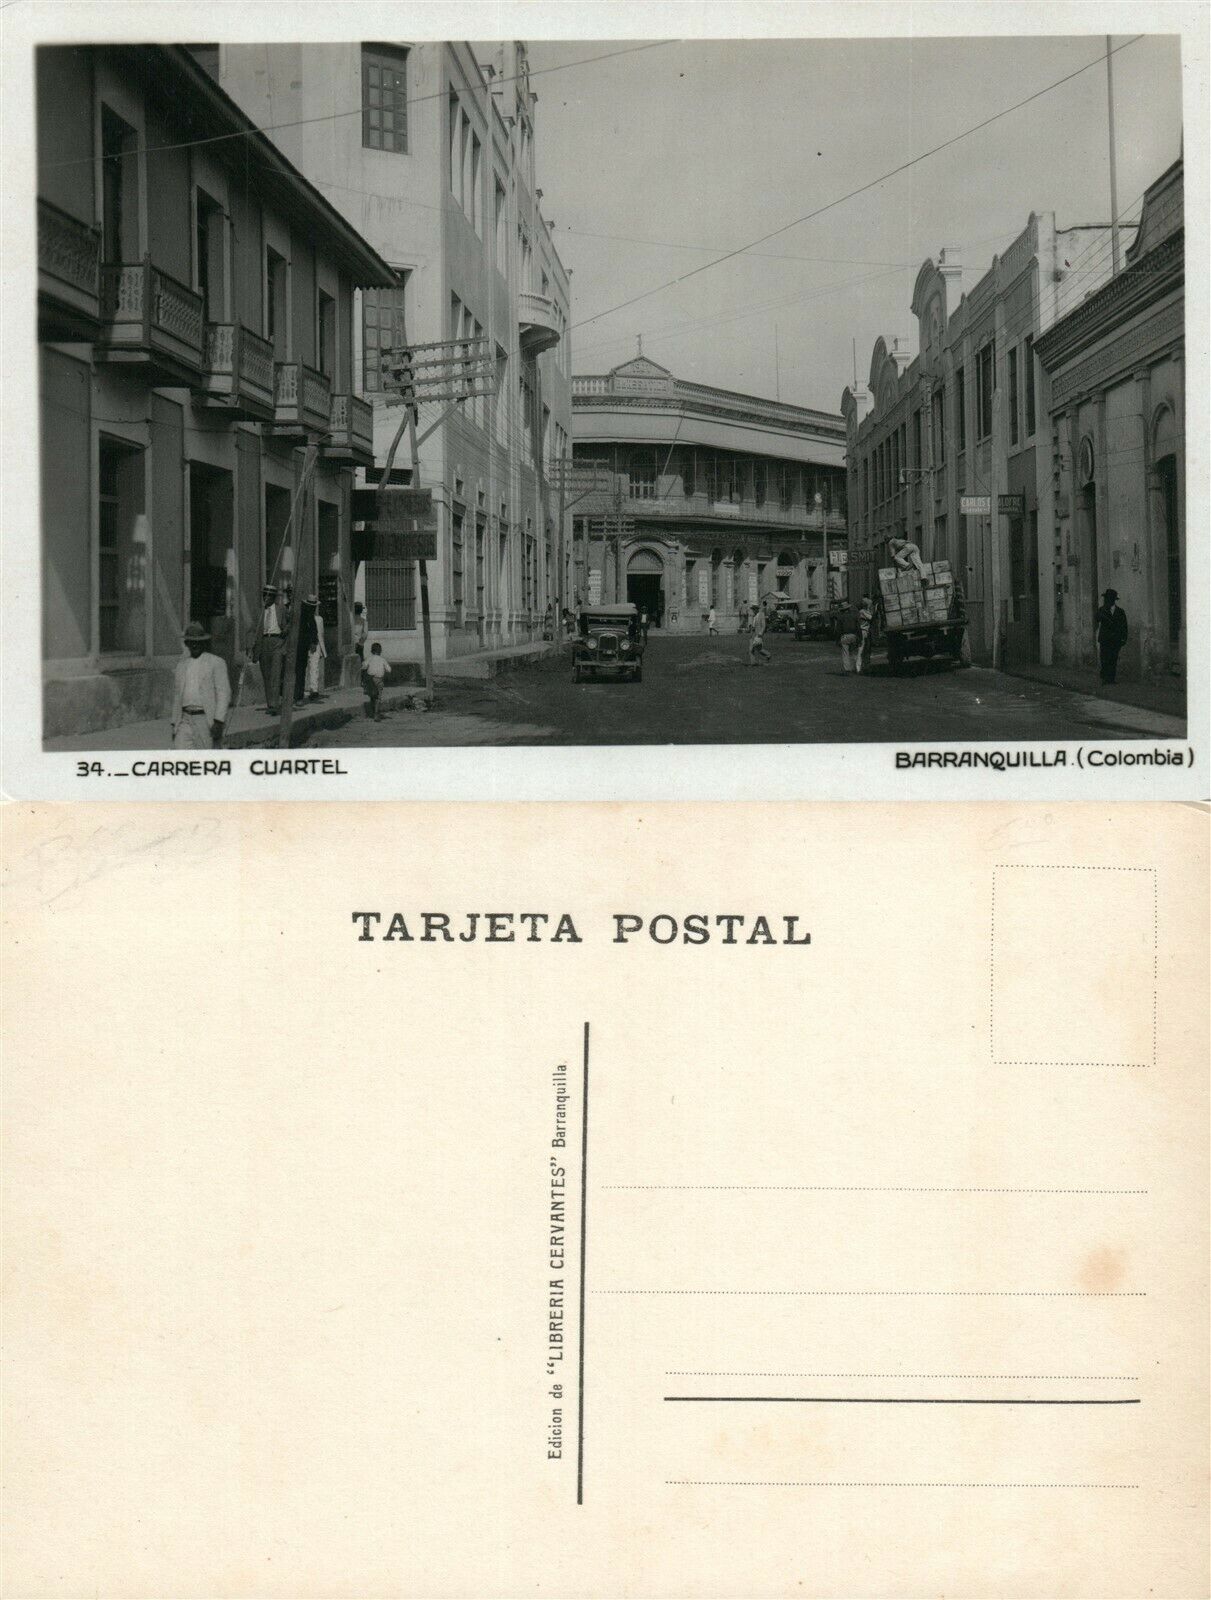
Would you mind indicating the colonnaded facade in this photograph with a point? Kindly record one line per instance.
(705, 498)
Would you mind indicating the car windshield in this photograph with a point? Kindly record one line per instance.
(606, 619)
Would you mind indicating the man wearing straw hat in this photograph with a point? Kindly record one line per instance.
(201, 694)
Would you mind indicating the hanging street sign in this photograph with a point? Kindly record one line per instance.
(401, 510)
(975, 505)
(388, 546)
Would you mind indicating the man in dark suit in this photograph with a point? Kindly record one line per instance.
(268, 642)
(1111, 633)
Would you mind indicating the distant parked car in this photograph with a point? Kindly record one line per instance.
(609, 642)
(822, 623)
(783, 613)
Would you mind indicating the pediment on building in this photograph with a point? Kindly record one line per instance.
(640, 367)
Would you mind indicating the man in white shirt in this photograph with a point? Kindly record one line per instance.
(317, 650)
(201, 694)
(269, 643)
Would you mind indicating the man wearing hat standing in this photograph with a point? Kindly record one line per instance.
(269, 643)
(201, 694)
(1111, 634)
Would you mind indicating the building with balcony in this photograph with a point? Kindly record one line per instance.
(717, 498)
(436, 169)
(1114, 373)
(947, 444)
(195, 323)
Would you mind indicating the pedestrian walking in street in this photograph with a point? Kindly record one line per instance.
(850, 636)
(267, 645)
(317, 650)
(1111, 634)
(712, 622)
(201, 694)
(361, 630)
(866, 626)
(378, 670)
(756, 643)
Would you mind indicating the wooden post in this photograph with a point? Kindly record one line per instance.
(303, 547)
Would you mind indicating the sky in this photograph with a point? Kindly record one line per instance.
(654, 162)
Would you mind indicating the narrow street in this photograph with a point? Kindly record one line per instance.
(700, 690)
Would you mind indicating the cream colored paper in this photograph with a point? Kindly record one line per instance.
(279, 1203)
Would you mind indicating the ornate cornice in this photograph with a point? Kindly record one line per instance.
(1149, 280)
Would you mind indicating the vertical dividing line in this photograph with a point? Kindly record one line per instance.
(584, 1191)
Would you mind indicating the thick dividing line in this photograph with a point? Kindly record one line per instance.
(584, 1192)
(872, 1400)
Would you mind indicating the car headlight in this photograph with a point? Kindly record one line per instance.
(626, 645)
(590, 644)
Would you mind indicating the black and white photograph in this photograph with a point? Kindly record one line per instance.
(612, 392)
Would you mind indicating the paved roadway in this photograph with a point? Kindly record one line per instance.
(699, 690)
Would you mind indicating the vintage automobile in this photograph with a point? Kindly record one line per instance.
(821, 622)
(608, 641)
(781, 611)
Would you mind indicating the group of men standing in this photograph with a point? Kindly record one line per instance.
(268, 647)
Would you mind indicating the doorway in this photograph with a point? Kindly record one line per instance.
(645, 585)
(211, 556)
(644, 591)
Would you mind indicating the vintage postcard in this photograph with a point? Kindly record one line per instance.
(680, 1201)
(677, 402)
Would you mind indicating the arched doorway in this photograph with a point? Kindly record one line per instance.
(645, 584)
(740, 584)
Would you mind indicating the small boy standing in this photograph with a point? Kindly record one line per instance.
(375, 673)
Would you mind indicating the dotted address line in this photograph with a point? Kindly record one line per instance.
(1040, 1377)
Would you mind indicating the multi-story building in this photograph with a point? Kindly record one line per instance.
(195, 311)
(718, 498)
(1114, 411)
(947, 447)
(428, 149)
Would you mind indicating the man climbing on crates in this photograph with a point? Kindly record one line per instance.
(906, 555)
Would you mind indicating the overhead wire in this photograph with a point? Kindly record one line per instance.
(873, 183)
(355, 111)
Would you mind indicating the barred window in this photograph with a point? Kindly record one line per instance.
(384, 97)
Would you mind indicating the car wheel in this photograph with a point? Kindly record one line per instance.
(637, 675)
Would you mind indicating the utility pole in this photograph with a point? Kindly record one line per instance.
(561, 587)
(302, 543)
(1114, 237)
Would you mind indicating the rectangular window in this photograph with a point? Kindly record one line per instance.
(119, 515)
(916, 439)
(384, 327)
(390, 595)
(643, 475)
(961, 407)
(1028, 374)
(209, 265)
(985, 381)
(384, 98)
(277, 321)
(1012, 379)
(457, 592)
(501, 201)
(456, 158)
(760, 482)
(465, 158)
(325, 333)
(939, 429)
(119, 189)
(475, 209)
(687, 473)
